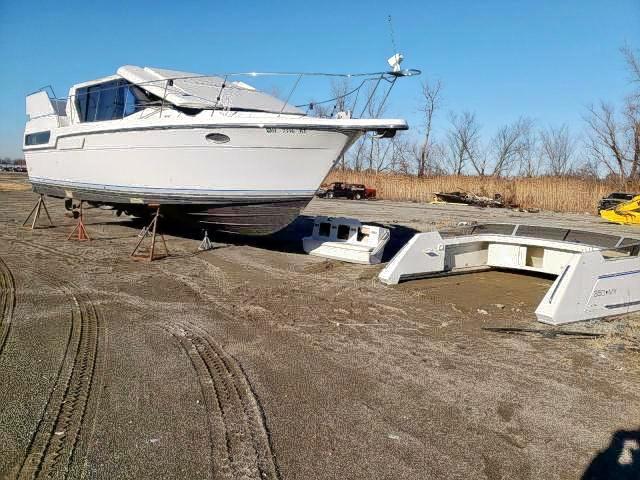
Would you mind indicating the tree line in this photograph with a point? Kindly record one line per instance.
(609, 147)
(12, 161)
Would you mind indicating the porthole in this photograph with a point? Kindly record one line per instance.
(217, 138)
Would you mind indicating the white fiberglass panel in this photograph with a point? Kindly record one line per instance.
(180, 160)
(194, 90)
(39, 105)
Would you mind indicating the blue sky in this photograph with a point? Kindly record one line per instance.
(502, 59)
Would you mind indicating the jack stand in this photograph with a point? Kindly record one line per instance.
(152, 227)
(37, 209)
(206, 243)
(144, 232)
(82, 231)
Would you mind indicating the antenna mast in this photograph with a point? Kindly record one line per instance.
(393, 40)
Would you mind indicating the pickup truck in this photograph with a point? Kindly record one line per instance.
(352, 191)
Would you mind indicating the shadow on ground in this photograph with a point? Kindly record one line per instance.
(288, 240)
(619, 461)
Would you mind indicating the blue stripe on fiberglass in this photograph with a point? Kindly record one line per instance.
(621, 305)
(142, 189)
(610, 275)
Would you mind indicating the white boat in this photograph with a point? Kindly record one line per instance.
(204, 147)
(346, 239)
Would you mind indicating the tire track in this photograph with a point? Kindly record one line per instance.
(69, 258)
(53, 444)
(7, 302)
(240, 446)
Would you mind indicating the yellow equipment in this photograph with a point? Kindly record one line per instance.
(627, 213)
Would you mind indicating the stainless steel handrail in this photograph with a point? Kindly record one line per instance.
(388, 76)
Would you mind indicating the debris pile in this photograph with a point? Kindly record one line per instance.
(469, 198)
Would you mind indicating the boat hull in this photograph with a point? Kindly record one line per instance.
(256, 181)
(244, 216)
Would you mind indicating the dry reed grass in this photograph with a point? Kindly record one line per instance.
(624, 335)
(558, 194)
(12, 186)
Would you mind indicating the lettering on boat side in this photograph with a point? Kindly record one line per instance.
(604, 292)
(290, 131)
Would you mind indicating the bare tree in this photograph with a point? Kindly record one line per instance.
(369, 150)
(355, 156)
(557, 148)
(510, 145)
(455, 159)
(632, 110)
(464, 144)
(614, 138)
(633, 63)
(320, 110)
(337, 101)
(589, 170)
(431, 100)
(339, 90)
(632, 129)
(611, 142)
(392, 155)
(437, 159)
(402, 155)
(529, 158)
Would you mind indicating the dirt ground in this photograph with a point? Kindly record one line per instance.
(256, 361)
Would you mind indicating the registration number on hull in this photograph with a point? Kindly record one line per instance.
(289, 131)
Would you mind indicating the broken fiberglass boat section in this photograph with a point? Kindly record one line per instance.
(597, 275)
(346, 239)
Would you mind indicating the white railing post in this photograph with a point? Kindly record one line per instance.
(166, 86)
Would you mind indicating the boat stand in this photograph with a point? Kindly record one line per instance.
(35, 211)
(206, 243)
(152, 229)
(79, 229)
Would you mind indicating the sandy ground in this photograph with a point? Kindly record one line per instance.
(256, 361)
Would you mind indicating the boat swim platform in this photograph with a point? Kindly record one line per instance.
(597, 275)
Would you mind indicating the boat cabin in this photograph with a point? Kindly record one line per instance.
(346, 239)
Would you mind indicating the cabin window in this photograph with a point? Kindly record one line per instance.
(343, 232)
(136, 99)
(38, 138)
(109, 101)
(325, 229)
(363, 232)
